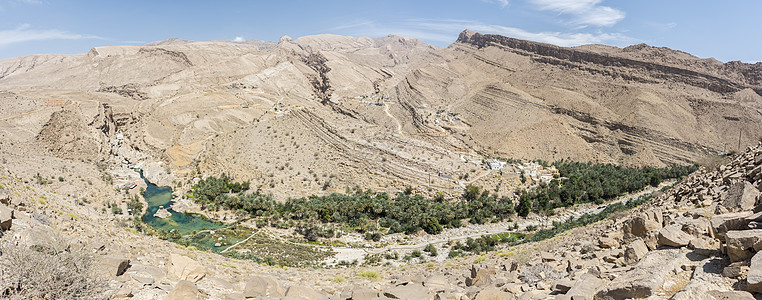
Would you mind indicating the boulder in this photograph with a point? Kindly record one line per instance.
(490, 293)
(635, 251)
(741, 244)
(673, 236)
(111, 266)
(480, 277)
(723, 223)
(184, 290)
(6, 217)
(409, 291)
(303, 292)
(585, 287)
(364, 294)
(740, 196)
(262, 286)
(646, 277)
(562, 285)
(640, 225)
(704, 245)
(754, 276)
(735, 270)
(606, 242)
(185, 268)
(436, 282)
(5, 197)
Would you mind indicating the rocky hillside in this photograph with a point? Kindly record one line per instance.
(698, 240)
(392, 111)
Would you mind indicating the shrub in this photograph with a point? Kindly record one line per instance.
(369, 275)
(56, 272)
(431, 249)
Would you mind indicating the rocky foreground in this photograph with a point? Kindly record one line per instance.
(699, 240)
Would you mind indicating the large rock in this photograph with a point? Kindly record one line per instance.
(436, 282)
(491, 293)
(674, 236)
(754, 277)
(5, 197)
(185, 268)
(640, 225)
(635, 251)
(480, 277)
(364, 294)
(585, 287)
(723, 223)
(741, 244)
(6, 217)
(646, 277)
(303, 292)
(111, 266)
(409, 291)
(741, 196)
(262, 286)
(704, 280)
(184, 290)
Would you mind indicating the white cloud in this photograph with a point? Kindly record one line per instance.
(25, 33)
(502, 3)
(445, 31)
(238, 39)
(566, 39)
(583, 12)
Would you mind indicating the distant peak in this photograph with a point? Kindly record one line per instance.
(285, 38)
(466, 35)
(169, 41)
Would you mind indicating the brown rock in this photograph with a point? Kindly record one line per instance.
(586, 287)
(6, 217)
(493, 293)
(303, 292)
(723, 223)
(704, 245)
(482, 278)
(409, 291)
(364, 294)
(608, 242)
(741, 196)
(437, 282)
(185, 268)
(184, 290)
(741, 244)
(735, 270)
(673, 236)
(262, 286)
(646, 277)
(754, 277)
(635, 251)
(730, 295)
(111, 266)
(562, 285)
(640, 225)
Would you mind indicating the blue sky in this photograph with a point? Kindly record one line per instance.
(726, 30)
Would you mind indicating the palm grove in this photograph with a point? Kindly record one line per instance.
(367, 211)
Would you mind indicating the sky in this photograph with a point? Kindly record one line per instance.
(725, 30)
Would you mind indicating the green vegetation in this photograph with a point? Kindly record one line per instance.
(368, 212)
(588, 182)
(369, 275)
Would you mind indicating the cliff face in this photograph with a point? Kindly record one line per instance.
(747, 75)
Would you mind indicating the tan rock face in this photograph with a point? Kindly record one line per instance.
(112, 266)
(184, 290)
(185, 268)
(674, 236)
(740, 197)
(262, 286)
(754, 277)
(6, 217)
(742, 244)
(635, 251)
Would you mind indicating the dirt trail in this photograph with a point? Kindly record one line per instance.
(399, 125)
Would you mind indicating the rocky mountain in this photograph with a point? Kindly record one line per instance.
(393, 111)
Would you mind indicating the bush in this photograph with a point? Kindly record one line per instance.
(431, 249)
(369, 275)
(56, 272)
